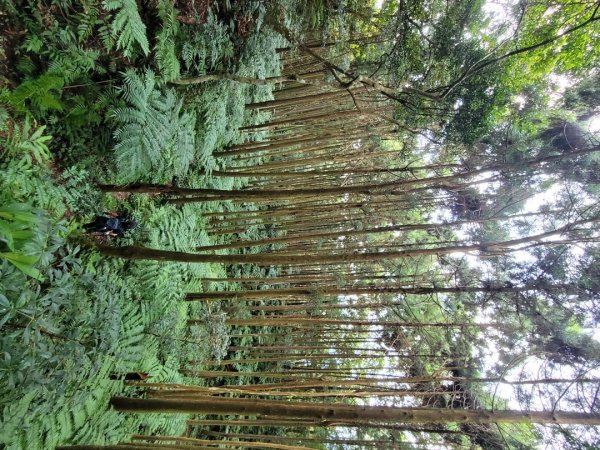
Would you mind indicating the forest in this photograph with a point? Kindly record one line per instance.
(299, 224)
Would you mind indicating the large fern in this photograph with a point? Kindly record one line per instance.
(156, 139)
(127, 26)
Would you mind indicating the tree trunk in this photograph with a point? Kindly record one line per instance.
(135, 252)
(326, 411)
(221, 442)
(373, 290)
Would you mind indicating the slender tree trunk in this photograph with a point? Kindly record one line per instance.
(134, 252)
(324, 411)
(296, 423)
(372, 290)
(221, 442)
(239, 79)
(319, 440)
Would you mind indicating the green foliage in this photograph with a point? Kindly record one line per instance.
(127, 26)
(62, 351)
(66, 353)
(42, 94)
(575, 54)
(209, 48)
(316, 13)
(63, 41)
(63, 338)
(156, 138)
(27, 142)
(87, 20)
(74, 63)
(584, 97)
(23, 229)
(166, 46)
(25, 175)
(20, 224)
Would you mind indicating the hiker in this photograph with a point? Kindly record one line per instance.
(110, 224)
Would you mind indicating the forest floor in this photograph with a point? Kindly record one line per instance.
(73, 323)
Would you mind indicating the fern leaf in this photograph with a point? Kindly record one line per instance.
(127, 26)
(165, 49)
(155, 139)
(43, 93)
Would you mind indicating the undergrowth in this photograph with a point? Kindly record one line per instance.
(87, 101)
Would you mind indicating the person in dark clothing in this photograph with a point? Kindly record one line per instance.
(110, 224)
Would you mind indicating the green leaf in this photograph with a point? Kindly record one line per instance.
(6, 232)
(22, 235)
(127, 26)
(18, 257)
(24, 263)
(37, 134)
(19, 212)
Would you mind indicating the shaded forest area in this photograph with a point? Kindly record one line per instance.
(354, 224)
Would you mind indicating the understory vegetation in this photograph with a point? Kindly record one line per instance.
(85, 100)
(357, 224)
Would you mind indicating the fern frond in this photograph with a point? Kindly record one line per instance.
(156, 138)
(127, 26)
(209, 48)
(137, 90)
(87, 20)
(26, 140)
(165, 49)
(74, 62)
(185, 143)
(106, 36)
(43, 94)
